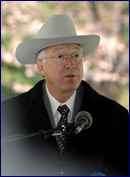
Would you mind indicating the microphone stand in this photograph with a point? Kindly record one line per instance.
(67, 129)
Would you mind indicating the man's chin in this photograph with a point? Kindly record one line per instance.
(71, 85)
(71, 88)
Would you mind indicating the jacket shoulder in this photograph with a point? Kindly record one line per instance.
(24, 97)
(101, 100)
(13, 109)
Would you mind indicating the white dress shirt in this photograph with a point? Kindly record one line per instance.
(55, 104)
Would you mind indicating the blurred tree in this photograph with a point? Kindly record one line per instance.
(94, 9)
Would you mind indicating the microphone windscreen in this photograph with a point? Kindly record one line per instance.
(86, 116)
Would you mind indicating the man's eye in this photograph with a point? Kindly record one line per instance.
(60, 56)
(76, 55)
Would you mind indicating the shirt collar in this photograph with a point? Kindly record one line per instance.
(55, 104)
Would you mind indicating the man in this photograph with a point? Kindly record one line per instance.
(54, 104)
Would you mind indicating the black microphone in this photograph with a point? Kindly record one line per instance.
(83, 120)
(45, 133)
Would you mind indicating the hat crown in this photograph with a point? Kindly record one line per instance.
(56, 27)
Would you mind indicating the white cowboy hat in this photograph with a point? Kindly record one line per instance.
(59, 29)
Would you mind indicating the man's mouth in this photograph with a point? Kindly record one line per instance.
(70, 75)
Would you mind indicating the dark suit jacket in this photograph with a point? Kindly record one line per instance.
(104, 147)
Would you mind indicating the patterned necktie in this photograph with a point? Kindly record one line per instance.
(61, 139)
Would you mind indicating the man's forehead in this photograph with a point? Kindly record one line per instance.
(64, 47)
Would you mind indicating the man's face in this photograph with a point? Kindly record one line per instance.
(62, 77)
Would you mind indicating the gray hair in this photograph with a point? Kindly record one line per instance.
(42, 55)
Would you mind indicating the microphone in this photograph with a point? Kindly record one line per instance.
(45, 133)
(83, 120)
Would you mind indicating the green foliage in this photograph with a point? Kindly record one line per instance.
(47, 7)
(27, 37)
(123, 92)
(125, 34)
(10, 74)
(6, 41)
(125, 9)
(6, 92)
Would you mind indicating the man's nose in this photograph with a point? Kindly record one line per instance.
(70, 62)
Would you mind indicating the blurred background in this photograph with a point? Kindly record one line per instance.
(106, 70)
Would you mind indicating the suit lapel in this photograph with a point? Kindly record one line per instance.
(47, 105)
(78, 101)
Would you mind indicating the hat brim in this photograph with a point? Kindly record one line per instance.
(26, 52)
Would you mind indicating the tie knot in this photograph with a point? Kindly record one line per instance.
(64, 110)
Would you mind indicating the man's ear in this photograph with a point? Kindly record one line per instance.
(40, 67)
